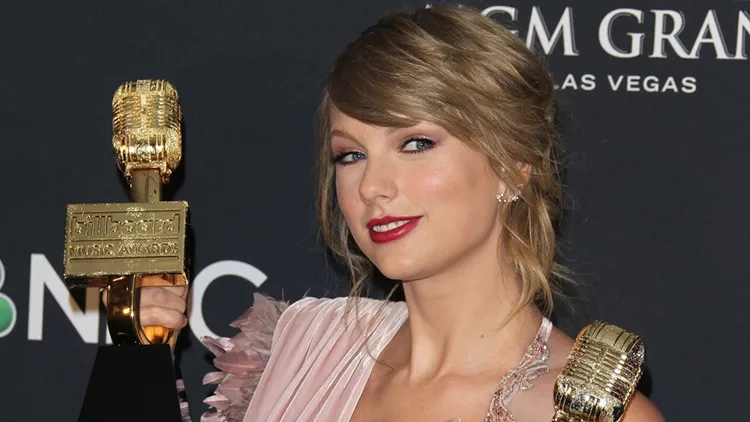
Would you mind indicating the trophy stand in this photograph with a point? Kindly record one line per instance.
(132, 383)
(111, 246)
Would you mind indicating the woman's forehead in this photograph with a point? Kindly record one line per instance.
(349, 127)
(383, 119)
(342, 122)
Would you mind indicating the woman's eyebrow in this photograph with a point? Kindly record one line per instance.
(343, 134)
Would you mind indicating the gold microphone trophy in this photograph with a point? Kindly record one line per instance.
(600, 376)
(111, 246)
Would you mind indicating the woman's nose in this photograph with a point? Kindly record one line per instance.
(378, 181)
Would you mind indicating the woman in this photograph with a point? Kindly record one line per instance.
(438, 166)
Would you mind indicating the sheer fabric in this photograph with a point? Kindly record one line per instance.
(316, 364)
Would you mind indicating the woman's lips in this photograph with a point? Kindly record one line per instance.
(393, 234)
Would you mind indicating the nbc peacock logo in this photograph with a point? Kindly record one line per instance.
(8, 313)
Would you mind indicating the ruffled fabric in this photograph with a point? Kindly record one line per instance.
(320, 364)
(184, 408)
(323, 355)
(241, 360)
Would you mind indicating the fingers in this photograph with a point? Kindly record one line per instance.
(155, 280)
(160, 280)
(160, 303)
(152, 315)
(164, 297)
(164, 306)
(161, 306)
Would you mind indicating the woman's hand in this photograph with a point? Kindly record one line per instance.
(161, 305)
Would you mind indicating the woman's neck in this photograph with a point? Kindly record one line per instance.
(457, 321)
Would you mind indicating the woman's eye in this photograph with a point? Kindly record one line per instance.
(348, 157)
(413, 145)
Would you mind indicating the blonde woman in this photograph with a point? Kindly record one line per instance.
(438, 165)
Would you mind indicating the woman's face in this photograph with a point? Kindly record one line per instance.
(417, 200)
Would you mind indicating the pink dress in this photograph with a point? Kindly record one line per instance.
(307, 362)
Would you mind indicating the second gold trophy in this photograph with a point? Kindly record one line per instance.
(112, 245)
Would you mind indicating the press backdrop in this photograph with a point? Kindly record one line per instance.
(655, 96)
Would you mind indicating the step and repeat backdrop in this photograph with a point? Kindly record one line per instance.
(655, 97)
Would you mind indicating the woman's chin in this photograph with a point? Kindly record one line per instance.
(402, 271)
(402, 263)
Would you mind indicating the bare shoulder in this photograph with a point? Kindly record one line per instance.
(526, 405)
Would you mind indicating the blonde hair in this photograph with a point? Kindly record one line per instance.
(454, 67)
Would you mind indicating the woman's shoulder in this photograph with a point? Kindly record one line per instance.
(278, 331)
(350, 309)
(262, 325)
(315, 305)
(319, 320)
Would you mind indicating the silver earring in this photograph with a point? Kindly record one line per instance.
(501, 198)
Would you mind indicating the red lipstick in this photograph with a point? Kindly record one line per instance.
(393, 234)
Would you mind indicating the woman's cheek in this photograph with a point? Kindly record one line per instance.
(347, 195)
(437, 182)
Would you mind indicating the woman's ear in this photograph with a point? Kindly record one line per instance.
(525, 173)
(525, 169)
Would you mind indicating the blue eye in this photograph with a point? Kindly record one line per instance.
(416, 145)
(350, 157)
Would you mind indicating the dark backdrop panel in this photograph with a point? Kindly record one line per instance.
(656, 227)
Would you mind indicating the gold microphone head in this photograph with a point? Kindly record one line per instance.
(146, 127)
(600, 375)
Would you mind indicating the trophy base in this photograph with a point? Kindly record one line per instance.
(132, 383)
